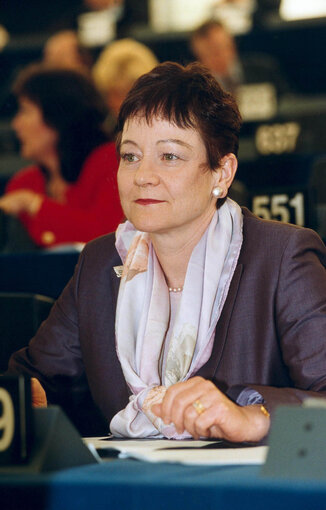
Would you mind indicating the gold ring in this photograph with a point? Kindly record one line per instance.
(198, 406)
(264, 411)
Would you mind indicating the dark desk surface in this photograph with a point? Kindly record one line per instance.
(37, 272)
(123, 484)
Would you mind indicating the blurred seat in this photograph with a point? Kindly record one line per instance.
(37, 272)
(20, 314)
(239, 193)
(10, 164)
(262, 68)
(10, 161)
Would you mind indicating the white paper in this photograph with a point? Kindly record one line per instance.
(184, 452)
(130, 445)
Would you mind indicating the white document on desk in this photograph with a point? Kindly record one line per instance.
(184, 452)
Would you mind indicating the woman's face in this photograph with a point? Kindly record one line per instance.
(37, 139)
(164, 183)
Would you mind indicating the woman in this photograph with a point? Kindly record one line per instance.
(69, 195)
(116, 70)
(219, 316)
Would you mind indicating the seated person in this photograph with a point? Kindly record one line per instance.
(64, 50)
(213, 45)
(116, 70)
(69, 195)
(218, 317)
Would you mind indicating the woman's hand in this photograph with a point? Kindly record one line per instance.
(19, 201)
(215, 415)
(38, 394)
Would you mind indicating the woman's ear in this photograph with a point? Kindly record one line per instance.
(226, 172)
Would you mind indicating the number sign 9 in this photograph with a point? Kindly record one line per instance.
(7, 420)
(15, 420)
(280, 207)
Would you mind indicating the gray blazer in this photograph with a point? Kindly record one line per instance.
(271, 335)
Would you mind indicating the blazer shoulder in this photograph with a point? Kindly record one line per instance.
(102, 251)
(274, 236)
(253, 222)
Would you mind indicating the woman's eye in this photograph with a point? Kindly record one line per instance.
(129, 157)
(169, 156)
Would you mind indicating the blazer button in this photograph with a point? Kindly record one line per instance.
(48, 237)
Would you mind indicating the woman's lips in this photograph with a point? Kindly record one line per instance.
(148, 201)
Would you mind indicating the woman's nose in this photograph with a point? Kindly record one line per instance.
(145, 174)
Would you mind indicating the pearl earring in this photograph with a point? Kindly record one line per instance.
(217, 192)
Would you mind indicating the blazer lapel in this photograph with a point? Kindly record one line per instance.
(211, 366)
(115, 284)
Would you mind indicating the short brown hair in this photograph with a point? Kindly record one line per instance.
(189, 97)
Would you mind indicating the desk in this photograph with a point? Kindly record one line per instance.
(131, 484)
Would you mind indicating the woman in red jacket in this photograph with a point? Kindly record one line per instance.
(70, 194)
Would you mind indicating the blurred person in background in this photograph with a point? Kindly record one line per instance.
(64, 50)
(36, 16)
(99, 5)
(213, 45)
(69, 195)
(117, 68)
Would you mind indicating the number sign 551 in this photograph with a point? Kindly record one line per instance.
(280, 207)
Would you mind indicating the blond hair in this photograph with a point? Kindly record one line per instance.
(120, 64)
